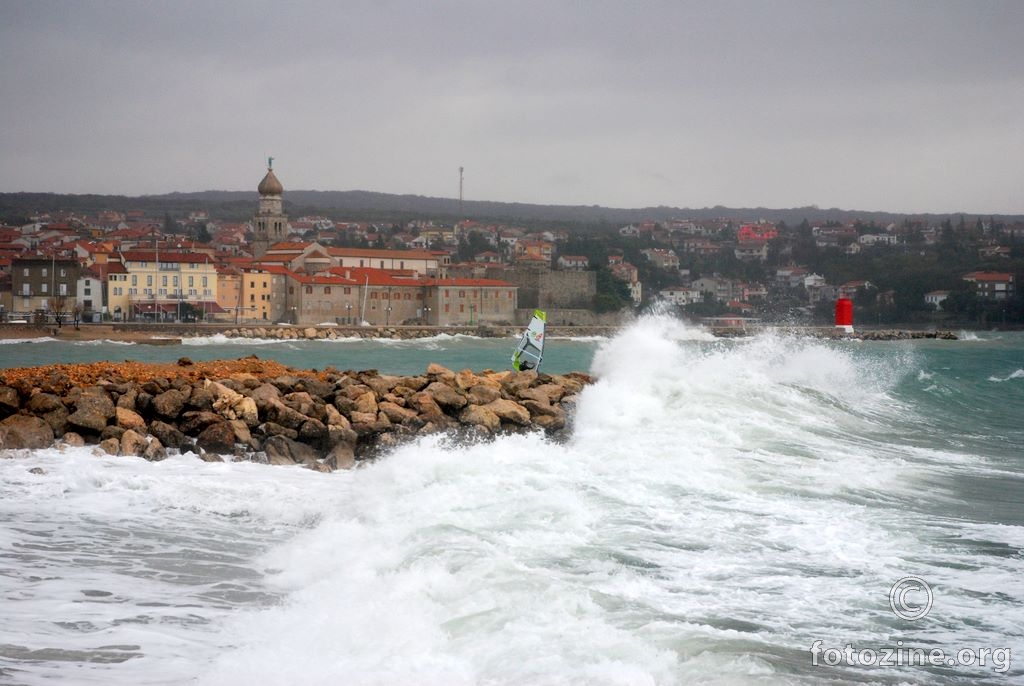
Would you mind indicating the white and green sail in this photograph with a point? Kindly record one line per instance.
(530, 350)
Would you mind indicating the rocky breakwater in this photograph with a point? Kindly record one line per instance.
(259, 410)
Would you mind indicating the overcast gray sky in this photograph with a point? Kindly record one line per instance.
(893, 105)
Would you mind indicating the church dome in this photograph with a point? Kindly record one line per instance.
(270, 185)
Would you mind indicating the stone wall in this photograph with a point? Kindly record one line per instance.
(323, 421)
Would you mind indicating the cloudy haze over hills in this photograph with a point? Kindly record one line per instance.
(895, 106)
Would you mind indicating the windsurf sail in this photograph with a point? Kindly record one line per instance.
(530, 350)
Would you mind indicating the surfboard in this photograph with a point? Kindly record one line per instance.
(530, 350)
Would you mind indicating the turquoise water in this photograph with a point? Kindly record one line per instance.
(723, 509)
(388, 356)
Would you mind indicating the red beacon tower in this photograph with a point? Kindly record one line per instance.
(844, 315)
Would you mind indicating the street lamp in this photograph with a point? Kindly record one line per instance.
(472, 310)
(348, 313)
(426, 314)
(387, 315)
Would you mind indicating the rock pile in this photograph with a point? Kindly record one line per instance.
(323, 420)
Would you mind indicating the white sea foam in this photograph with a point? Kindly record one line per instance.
(221, 339)
(1019, 374)
(97, 343)
(16, 341)
(719, 506)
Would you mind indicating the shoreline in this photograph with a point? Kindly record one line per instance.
(172, 334)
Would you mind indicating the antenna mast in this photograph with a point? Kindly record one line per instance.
(462, 215)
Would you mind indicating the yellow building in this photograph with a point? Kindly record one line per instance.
(263, 294)
(162, 286)
(229, 293)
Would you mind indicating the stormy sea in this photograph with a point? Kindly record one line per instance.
(740, 511)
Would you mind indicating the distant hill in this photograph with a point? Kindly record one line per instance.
(368, 205)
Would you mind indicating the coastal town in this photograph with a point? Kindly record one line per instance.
(60, 267)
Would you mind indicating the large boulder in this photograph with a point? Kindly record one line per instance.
(313, 432)
(445, 396)
(51, 409)
(154, 452)
(281, 450)
(168, 435)
(93, 410)
(305, 404)
(275, 429)
(395, 413)
(194, 421)
(279, 413)
(133, 443)
(477, 415)
(368, 423)
(315, 387)
(42, 403)
(9, 401)
(335, 418)
(21, 431)
(382, 384)
(483, 393)
(129, 419)
(366, 403)
(218, 437)
(341, 456)
(428, 409)
(509, 411)
(169, 404)
(243, 434)
(265, 392)
(201, 397)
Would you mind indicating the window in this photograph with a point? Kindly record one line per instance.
(63, 272)
(44, 288)
(149, 280)
(164, 280)
(24, 272)
(327, 290)
(309, 289)
(191, 281)
(44, 272)
(348, 291)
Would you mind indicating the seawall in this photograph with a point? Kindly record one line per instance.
(262, 411)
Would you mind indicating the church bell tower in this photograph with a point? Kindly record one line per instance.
(270, 225)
